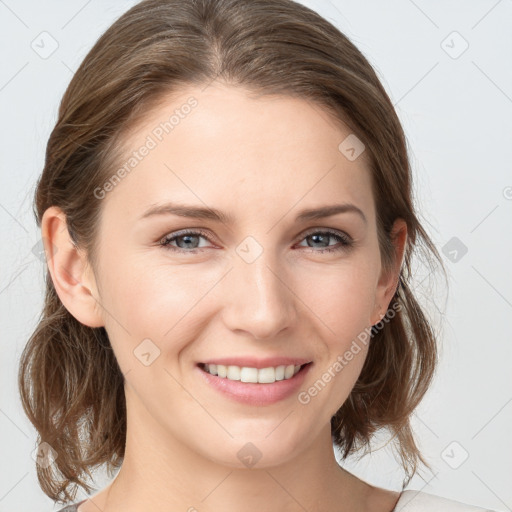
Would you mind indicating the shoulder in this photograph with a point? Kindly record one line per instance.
(71, 508)
(418, 501)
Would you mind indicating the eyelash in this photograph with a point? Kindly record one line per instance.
(345, 240)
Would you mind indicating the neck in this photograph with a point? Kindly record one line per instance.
(159, 472)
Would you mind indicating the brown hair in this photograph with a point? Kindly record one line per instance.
(70, 383)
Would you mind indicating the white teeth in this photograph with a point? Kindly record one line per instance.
(266, 375)
(248, 374)
(233, 372)
(256, 375)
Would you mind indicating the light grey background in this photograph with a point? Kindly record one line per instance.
(456, 106)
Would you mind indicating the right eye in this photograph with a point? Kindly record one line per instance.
(189, 237)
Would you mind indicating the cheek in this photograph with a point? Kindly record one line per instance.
(152, 298)
(332, 381)
(341, 298)
(342, 304)
(161, 303)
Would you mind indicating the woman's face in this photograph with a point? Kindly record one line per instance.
(255, 289)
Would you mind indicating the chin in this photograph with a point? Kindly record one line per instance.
(256, 451)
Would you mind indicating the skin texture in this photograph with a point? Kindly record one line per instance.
(262, 160)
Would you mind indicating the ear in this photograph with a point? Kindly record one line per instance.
(388, 281)
(72, 277)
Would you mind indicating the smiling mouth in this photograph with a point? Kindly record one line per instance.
(248, 374)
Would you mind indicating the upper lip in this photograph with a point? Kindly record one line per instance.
(253, 362)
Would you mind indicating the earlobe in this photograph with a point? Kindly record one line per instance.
(74, 282)
(388, 281)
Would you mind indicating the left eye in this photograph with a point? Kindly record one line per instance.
(187, 241)
(319, 236)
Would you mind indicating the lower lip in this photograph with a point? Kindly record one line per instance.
(253, 393)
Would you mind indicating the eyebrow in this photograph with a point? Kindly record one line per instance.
(196, 212)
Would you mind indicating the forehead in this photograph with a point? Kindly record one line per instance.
(226, 148)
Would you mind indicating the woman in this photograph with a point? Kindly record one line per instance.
(226, 207)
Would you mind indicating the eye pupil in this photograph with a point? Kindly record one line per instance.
(317, 236)
(187, 241)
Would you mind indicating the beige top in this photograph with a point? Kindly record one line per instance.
(418, 501)
(410, 501)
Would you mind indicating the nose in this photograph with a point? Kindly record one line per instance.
(258, 298)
